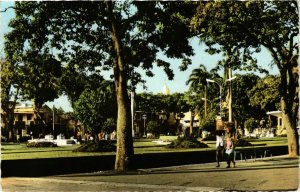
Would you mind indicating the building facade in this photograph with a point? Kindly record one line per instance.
(25, 122)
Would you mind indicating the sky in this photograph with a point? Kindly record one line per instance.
(156, 83)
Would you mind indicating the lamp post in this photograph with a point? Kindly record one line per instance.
(220, 87)
(53, 119)
(132, 112)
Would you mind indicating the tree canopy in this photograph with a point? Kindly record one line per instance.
(242, 28)
(94, 107)
(99, 36)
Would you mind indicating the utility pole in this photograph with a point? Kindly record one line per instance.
(53, 119)
(230, 97)
(132, 112)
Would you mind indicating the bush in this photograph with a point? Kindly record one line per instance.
(208, 125)
(41, 144)
(97, 146)
(153, 127)
(186, 143)
(109, 125)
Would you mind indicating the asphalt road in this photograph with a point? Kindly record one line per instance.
(272, 174)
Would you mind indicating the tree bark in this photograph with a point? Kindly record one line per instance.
(125, 151)
(288, 92)
(191, 122)
(292, 134)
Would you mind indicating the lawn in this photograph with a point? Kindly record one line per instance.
(20, 151)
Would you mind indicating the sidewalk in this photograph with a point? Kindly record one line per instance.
(275, 173)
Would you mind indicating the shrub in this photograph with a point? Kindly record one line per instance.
(97, 146)
(208, 125)
(153, 127)
(186, 143)
(41, 144)
(109, 125)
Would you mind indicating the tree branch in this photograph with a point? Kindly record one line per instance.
(10, 7)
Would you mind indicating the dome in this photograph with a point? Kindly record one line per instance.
(166, 90)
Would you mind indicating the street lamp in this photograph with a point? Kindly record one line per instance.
(53, 122)
(220, 97)
(221, 87)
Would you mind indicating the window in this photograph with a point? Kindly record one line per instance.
(20, 118)
(29, 117)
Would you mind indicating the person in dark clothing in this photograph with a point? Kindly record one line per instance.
(219, 146)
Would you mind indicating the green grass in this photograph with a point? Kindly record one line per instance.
(20, 151)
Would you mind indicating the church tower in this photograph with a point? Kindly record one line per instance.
(166, 90)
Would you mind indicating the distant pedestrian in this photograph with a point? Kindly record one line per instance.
(229, 152)
(219, 146)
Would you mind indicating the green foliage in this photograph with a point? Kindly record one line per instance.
(94, 107)
(41, 144)
(208, 125)
(266, 93)
(154, 128)
(250, 124)
(99, 146)
(198, 77)
(175, 104)
(242, 110)
(241, 29)
(186, 143)
(9, 96)
(109, 125)
(99, 36)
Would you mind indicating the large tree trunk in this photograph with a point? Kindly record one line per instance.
(192, 122)
(292, 134)
(9, 118)
(289, 108)
(125, 151)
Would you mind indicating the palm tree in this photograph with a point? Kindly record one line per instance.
(197, 79)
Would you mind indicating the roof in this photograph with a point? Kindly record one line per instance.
(275, 113)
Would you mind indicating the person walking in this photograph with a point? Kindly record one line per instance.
(219, 146)
(229, 152)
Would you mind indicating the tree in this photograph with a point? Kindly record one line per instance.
(43, 83)
(109, 125)
(174, 104)
(118, 36)
(198, 82)
(94, 107)
(154, 128)
(149, 102)
(265, 94)
(9, 97)
(177, 104)
(242, 109)
(245, 27)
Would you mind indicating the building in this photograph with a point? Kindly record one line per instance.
(185, 121)
(280, 129)
(25, 122)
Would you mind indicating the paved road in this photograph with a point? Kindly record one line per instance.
(275, 173)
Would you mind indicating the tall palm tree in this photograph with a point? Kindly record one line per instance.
(197, 79)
